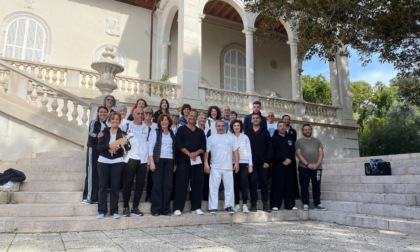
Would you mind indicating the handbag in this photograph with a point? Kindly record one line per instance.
(377, 167)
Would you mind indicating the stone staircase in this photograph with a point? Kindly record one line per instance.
(383, 202)
(50, 201)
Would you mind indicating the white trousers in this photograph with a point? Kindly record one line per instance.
(216, 176)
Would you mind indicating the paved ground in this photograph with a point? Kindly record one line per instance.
(277, 236)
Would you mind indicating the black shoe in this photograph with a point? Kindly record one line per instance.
(253, 208)
(136, 212)
(126, 212)
(147, 198)
(266, 208)
(155, 214)
(229, 210)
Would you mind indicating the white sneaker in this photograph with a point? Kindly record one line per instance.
(198, 212)
(245, 209)
(237, 208)
(305, 207)
(177, 213)
(295, 208)
(275, 208)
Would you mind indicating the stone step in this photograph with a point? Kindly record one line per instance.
(52, 160)
(79, 209)
(409, 212)
(367, 221)
(60, 154)
(52, 186)
(380, 198)
(405, 168)
(55, 176)
(70, 167)
(90, 223)
(373, 188)
(356, 179)
(388, 158)
(46, 197)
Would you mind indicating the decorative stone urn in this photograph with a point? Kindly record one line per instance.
(107, 68)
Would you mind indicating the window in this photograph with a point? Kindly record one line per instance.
(234, 69)
(25, 39)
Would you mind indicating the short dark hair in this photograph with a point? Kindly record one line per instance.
(256, 102)
(97, 111)
(184, 107)
(281, 121)
(285, 116)
(236, 121)
(234, 113)
(255, 114)
(306, 124)
(219, 113)
(137, 102)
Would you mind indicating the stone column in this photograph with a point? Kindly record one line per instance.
(335, 88)
(189, 37)
(158, 48)
(249, 38)
(344, 87)
(295, 74)
(164, 58)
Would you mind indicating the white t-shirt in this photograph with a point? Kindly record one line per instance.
(245, 152)
(105, 160)
(139, 150)
(166, 150)
(221, 147)
(271, 127)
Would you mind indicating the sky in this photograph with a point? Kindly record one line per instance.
(371, 73)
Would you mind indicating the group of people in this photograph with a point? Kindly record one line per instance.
(193, 154)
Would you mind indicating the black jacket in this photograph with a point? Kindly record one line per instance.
(262, 150)
(94, 129)
(12, 175)
(283, 147)
(103, 144)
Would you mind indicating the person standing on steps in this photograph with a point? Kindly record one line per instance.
(110, 167)
(90, 191)
(191, 145)
(310, 152)
(148, 120)
(162, 166)
(256, 109)
(135, 163)
(261, 158)
(291, 132)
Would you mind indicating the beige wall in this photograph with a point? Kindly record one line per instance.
(78, 29)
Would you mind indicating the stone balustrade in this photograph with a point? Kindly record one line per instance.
(41, 93)
(319, 110)
(214, 96)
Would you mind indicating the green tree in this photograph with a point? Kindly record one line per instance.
(382, 99)
(390, 28)
(408, 89)
(316, 89)
(361, 95)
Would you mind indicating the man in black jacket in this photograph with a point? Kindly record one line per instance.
(261, 157)
(291, 132)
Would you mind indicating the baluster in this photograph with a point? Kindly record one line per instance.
(54, 103)
(130, 86)
(75, 113)
(32, 70)
(85, 117)
(44, 99)
(39, 74)
(65, 108)
(62, 72)
(141, 88)
(47, 74)
(135, 88)
(90, 83)
(25, 68)
(54, 77)
(83, 81)
(34, 94)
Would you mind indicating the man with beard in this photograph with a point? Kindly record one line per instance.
(310, 152)
(191, 145)
(291, 132)
(256, 109)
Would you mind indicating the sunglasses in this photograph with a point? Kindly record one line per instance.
(148, 113)
(175, 115)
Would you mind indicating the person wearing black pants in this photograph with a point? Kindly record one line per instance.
(261, 148)
(190, 144)
(90, 191)
(110, 166)
(161, 160)
(241, 183)
(310, 152)
(135, 162)
(291, 132)
(282, 171)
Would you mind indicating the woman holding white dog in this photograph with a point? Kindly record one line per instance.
(110, 166)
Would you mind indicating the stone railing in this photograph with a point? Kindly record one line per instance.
(85, 79)
(43, 94)
(320, 110)
(219, 97)
(278, 104)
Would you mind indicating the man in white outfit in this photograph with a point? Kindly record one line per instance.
(221, 146)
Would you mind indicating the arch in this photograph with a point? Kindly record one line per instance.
(233, 68)
(291, 35)
(238, 5)
(35, 41)
(168, 14)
